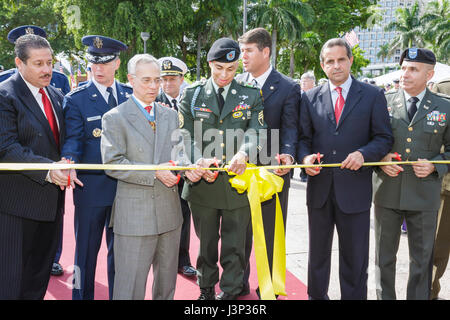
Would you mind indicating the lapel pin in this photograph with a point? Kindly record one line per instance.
(94, 95)
(208, 91)
(233, 91)
(271, 88)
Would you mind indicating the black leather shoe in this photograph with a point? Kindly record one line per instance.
(188, 271)
(57, 270)
(207, 294)
(226, 296)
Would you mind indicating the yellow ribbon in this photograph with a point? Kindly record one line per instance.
(261, 185)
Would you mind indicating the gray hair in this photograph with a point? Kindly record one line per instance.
(336, 42)
(26, 42)
(308, 75)
(141, 59)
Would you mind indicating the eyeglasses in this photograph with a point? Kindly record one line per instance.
(147, 81)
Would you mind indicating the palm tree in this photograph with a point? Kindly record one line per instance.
(437, 28)
(409, 27)
(384, 51)
(284, 18)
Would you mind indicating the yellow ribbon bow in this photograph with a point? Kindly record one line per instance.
(261, 185)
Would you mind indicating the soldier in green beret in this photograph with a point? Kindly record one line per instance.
(223, 118)
(411, 192)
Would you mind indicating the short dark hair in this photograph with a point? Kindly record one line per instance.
(336, 42)
(260, 36)
(29, 41)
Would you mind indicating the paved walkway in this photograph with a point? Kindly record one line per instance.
(297, 250)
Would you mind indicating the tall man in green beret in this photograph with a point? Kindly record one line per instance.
(224, 119)
(419, 120)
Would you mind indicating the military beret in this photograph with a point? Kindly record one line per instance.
(224, 50)
(171, 66)
(102, 49)
(16, 33)
(418, 55)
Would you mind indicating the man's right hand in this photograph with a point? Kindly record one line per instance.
(310, 160)
(209, 175)
(166, 176)
(391, 170)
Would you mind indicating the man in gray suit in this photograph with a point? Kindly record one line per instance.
(146, 213)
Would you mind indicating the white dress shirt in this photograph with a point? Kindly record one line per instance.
(103, 92)
(261, 80)
(345, 89)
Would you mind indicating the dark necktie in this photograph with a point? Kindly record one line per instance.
(174, 103)
(412, 107)
(221, 99)
(111, 100)
(50, 115)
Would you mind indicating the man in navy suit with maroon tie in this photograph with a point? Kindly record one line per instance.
(343, 121)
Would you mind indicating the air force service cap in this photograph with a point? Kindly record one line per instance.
(171, 66)
(16, 33)
(102, 49)
(224, 50)
(418, 55)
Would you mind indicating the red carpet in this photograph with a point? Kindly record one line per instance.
(60, 287)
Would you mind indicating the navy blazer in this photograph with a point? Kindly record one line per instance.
(26, 136)
(281, 99)
(84, 108)
(364, 125)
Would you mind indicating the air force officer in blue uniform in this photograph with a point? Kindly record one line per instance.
(83, 111)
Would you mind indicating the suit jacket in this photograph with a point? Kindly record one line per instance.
(364, 126)
(83, 111)
(25, 136)
(422, 138)
(281, 100)
(143, 205)
(199, 113)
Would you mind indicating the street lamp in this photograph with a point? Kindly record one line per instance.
(145, 36)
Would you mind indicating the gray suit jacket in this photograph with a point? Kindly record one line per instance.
(143, 205)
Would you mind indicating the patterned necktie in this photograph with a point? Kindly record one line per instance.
(221, 99)
(412, 107)
(111, 100)
(174, 103)
(339, 104)
(50, 115)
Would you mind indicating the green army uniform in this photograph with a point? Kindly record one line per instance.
(442, 242)
(408, 197)
(212, 202)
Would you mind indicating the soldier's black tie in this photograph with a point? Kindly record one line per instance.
(111, 100)
(412, 107)
(221, 99)
(174, 103)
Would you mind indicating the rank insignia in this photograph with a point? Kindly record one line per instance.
(167, 65)
(181, 119)
(97, 132)
(261, 118)
(231, 55)
(29, 30)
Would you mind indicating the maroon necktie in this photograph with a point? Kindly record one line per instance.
(50, 115)
(339, 104)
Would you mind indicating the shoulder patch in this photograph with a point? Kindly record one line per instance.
(201, 82)
(78, 89)
(247, 84)
(440, 94)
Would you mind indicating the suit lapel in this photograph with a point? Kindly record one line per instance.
(161, 131)
(353, 97)
(138, 121)
(231, 101)
(31, 104)
(98, 103)
(271, 84)
(327, 102)
(210, 98)
(121, 94)
(424, 108)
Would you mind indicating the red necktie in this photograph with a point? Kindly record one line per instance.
(339, 104)
(148, 108)
(50, 115)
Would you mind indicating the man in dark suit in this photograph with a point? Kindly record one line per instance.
(347, 122)
(31, 202)
(281, 97)
(83, 111)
